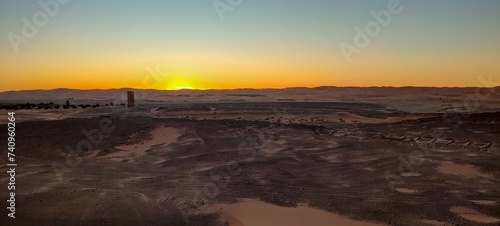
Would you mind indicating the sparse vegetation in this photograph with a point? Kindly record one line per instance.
(48, 106)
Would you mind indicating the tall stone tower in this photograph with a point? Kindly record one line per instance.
(130, 98)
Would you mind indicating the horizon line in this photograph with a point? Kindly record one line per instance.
(248, 88)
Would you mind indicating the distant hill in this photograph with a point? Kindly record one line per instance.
(319, 94)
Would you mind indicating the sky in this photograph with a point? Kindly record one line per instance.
(226, 44)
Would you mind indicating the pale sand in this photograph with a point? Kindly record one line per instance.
(332, 158)
(251, 212)
(463, 170)
(473, 215)
(434, 222)
(162, 135)
(483, 202)
(411, 174)
(24, 115)
(406, 190)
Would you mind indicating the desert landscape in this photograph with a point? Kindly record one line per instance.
(250, 113)
(299, 156)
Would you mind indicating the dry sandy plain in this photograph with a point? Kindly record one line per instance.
(325, 156)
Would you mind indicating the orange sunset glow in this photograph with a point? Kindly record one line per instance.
(107, 48)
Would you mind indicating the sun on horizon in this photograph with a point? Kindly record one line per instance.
(181, 88)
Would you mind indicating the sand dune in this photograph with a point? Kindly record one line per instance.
(244, 214)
